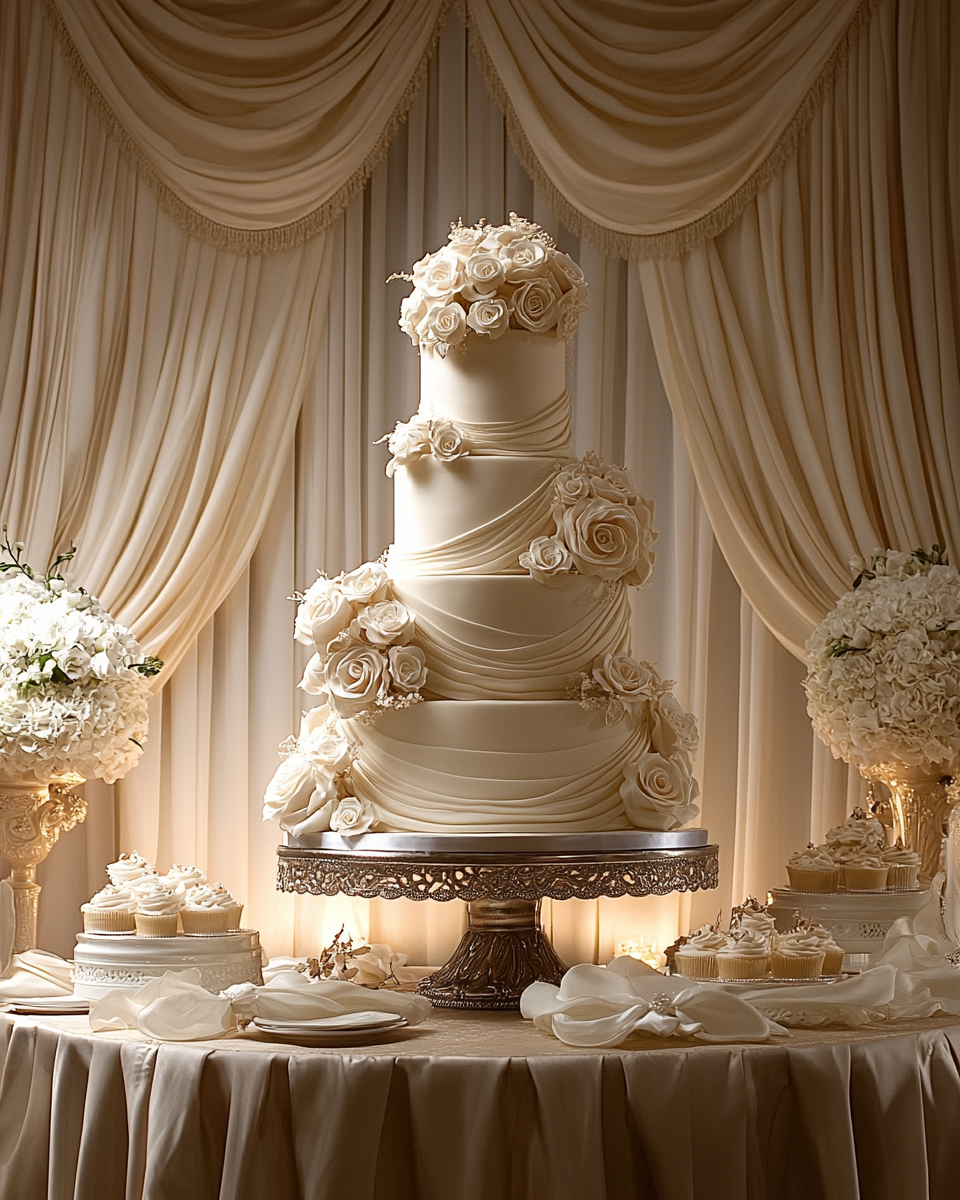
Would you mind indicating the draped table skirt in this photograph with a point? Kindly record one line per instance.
(470, 1106)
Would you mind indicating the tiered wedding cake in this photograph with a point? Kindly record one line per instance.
(477, 679)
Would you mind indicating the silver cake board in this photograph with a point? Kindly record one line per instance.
(503, 878)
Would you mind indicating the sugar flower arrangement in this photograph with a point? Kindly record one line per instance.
(488, 279)
(603, 527)
(365, 661)
(883, 679)
(659, 790)
(73, 682)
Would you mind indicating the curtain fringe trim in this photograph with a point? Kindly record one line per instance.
(672, 242)
(243, 242)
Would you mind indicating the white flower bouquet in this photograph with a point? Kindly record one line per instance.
(603, 527)
(73, 682)
(659, 789)
(883, 679)
(488, 279)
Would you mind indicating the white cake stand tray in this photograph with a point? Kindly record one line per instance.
(503, 878)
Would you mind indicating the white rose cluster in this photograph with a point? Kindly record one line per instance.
(491, 278)
(413, 439)
(603, 528)
(365, 659)
(883, 678)
(659, 790)
(73, 682)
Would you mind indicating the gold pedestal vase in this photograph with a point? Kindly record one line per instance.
(32, 817)
(920, 803)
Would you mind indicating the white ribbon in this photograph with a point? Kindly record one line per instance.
(174, 1007)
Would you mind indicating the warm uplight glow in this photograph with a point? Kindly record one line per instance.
(646, 951)
(769, 897)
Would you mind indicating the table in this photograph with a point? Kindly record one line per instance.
(478, 1105)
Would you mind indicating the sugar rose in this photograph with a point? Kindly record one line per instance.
(353, 678)
(535, 305)
(483, 273)
(290, 789)
(548, 560)
(447, 441)
(365, 585)
(353, 816)
(658, 792)
(324, 612)
(387, 623)
(408, 668)
(624, 677)
(603, 538)
(438, 275)
(489, 316)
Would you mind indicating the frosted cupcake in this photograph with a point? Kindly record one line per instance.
(798, 955)
(832, 953)
(697, 957)
(202, 911)
(127, 868)
(232, 906)
(865, 872)
(813, 870)
(110, 911)
(158, 909)
(903, 867)
(753, 916)
(860, 829)
(745, 956)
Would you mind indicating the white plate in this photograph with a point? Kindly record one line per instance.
(350, 1029)
(49, 1006)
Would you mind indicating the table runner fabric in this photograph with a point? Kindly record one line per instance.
(825, 1114)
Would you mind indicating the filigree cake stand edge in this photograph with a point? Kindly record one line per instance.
(504, 948)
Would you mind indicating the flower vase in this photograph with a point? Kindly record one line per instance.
(33, 814)
(920, 801)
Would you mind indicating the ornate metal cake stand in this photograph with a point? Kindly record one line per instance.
(503, 878)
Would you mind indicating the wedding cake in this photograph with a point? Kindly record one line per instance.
(478, 677)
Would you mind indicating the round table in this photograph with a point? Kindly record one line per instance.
(478, 1105)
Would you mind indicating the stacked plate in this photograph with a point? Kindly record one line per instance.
(346, 1029)
(48, 1006)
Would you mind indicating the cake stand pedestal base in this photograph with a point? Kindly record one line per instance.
(503, 951)
(503, 878)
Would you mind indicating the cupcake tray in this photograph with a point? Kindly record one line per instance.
(769, 981)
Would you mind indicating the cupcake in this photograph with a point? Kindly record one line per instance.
(903, 866)
(864, 872)
(233, 907)
(813, 870)
(745, 956)
(128, 868)
(832, 953)
(110, 911)
(158, 909)
(798, 955)
(859, 830)
(753, 916)
(202, 912)
(697, 957)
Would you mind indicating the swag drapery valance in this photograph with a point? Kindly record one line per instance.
(781, 169)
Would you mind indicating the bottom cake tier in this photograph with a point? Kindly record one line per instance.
(495, 766)
(103, 961)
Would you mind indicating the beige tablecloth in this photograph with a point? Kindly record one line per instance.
(478, 1107)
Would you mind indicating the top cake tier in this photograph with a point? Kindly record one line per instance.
(506, 396)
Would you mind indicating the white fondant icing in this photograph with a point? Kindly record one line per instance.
(500, 636)
(472, 516)
(495, 766)
(512, 378)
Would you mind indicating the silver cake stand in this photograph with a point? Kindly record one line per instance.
(503, 878)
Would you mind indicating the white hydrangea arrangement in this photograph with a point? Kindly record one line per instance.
(365, 661)
(883, 679)
(488, 279)
(603, 528)
(659, 789)
(73, 682)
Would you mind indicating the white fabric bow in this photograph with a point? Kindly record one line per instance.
(602, 1006)
(174, 1007)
